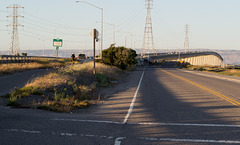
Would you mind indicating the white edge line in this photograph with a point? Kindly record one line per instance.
(185, 124)
(133, 101)
(92, 121)
(150, 123)
(190, 140)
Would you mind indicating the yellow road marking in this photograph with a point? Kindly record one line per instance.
(234, 102)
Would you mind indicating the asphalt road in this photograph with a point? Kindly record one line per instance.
(152, 106)
(18, 80)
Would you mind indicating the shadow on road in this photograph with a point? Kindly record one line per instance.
(164, 99)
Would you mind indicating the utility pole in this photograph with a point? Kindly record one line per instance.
(14, 47)
(186, 42)
(94, 34)
(148, 32)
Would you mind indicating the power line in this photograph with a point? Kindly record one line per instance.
(52, 24)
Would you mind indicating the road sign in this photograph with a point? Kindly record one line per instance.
(94, 31)
(57, 42)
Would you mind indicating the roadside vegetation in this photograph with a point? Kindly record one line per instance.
(120, 57)
(230, 71)
(68, 88)
(6, 69)
(71, 85)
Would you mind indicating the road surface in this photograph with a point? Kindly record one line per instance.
(153, 106)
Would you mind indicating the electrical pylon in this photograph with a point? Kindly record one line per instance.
(148, 32)
(186, 42)
(14, 46)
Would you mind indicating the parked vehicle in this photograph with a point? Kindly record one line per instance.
(82, 56)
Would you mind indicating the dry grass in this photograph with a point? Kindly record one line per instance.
(50, 80)
(87, 68)
(64, 105)
(18, 67)
(69, 88)
(231, 72)
(224, 71)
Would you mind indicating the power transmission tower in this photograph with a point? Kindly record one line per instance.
(148, 32)
(186, 42)
(14, 46)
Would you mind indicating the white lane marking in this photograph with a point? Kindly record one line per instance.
(96, 136)
(22, 130)
(82, 135)
(191, 140)
(213, 76)
(184, 124)
(68, 134)
(150, 123)
(118, 140)
(133, 101)
(92, 121)
(60, 134)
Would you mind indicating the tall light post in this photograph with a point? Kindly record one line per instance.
(101, 42)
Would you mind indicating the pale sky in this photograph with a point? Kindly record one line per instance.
(214, 24)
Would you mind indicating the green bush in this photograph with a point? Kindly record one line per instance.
(102, 80)
(119, 56)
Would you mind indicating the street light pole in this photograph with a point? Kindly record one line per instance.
(101, 42)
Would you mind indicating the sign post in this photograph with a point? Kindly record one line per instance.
(94, 34)
(57, 43)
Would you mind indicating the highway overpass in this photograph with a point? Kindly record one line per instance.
(194, 58)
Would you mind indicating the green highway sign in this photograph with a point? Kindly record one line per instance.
(57, 42)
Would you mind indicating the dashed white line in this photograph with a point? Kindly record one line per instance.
(190, 140)
(133, 101)
(68, 134)
(119, 139)
(22, 130)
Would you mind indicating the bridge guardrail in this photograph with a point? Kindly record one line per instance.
(5, 59)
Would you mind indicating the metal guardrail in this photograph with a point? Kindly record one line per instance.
(5, 59)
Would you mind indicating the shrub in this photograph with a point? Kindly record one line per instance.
(119, 56)
(102, 80)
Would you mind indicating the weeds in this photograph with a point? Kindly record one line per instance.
(6, 69)
(68, 88)
(223, 71)
(102, 80)
(12, 101)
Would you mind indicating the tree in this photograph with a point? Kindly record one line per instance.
(119, 56)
